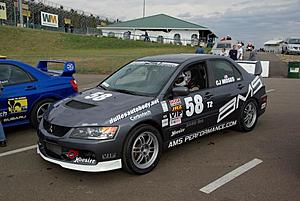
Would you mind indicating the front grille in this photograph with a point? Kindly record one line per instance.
(79, 105)
(56, 130)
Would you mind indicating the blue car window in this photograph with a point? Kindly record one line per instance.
(10, 75)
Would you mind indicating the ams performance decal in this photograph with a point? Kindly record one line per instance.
(133, 111)
(17, 105)
(196, 135)
(233, 104)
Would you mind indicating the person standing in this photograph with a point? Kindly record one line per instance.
(233, 53)
(240, 54)
(2, 135)
(200, 50)
(252, 55)
(223, 52)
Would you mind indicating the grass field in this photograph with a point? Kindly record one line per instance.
(92, 54)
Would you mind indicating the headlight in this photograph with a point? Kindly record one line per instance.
(94, 133)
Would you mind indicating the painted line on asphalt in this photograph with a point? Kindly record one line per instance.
(18, 150)
(230, 176)
(271, 90)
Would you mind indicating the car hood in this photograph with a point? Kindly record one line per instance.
(96, 107)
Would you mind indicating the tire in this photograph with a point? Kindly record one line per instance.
(248, 116)
(148, 149)
(39, 110)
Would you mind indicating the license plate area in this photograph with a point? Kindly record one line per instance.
(53, 148)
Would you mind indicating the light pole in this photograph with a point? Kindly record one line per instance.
(144, 8)
(21, 12)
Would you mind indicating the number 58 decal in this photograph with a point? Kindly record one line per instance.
(98, 96)
(193, 105)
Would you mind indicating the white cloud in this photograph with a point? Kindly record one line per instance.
(255, 20)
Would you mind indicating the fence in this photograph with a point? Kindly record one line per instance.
(79, 21)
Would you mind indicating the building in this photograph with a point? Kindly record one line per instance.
(274, 46)
(160, 28)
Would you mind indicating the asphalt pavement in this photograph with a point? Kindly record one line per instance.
(182, 171)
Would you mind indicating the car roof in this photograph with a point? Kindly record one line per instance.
(178, 58)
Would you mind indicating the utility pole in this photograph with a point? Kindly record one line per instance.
(20, 5)
(144, 8)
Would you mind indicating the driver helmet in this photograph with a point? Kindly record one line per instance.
(183, 79)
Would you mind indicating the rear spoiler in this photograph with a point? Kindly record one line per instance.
(253, 67)
(69, 66)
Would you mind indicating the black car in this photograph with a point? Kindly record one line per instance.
(147, 106)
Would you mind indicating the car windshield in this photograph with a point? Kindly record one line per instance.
(141, 78)
(294, 41)
(224, 45)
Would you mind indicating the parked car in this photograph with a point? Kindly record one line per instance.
(225, 44)
(151, 104)
(291, 46)
(29, 91)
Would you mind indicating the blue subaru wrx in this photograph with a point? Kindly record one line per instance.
(29, 91)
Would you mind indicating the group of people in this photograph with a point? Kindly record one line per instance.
(238, 53)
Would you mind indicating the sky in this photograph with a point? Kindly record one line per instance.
(255, 21)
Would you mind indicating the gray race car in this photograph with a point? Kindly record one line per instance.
(147, 106)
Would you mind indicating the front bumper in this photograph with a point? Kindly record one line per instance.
(99, 167)
(78, 154)
(293, 50)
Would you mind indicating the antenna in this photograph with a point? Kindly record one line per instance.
(144, 8)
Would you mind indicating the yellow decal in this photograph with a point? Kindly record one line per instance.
(17, 105)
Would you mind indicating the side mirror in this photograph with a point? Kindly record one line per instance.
(258, 68)
(180, 91)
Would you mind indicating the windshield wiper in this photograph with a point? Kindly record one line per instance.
(126, 91)
(102, 87)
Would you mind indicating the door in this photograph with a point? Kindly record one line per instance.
(17, 96)
(225, 83)
(190, 113)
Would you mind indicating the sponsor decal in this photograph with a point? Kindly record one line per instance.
(162, 64)
(17, 105)
(3, 14)
(140, 116)
(72, 154)
(85, 161)
(195, 122)
(164, 106)
(177, 108)
(177, 132)
(3, 114)
(226, 80)
(175, 118)
(164, 122)
(98, 96)
(109, 156)
(175, 102)
(196, 135)
(14, 118)
(133, 111)
(49, 19)
(233, 104)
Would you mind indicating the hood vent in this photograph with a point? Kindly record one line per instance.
(79, 105)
